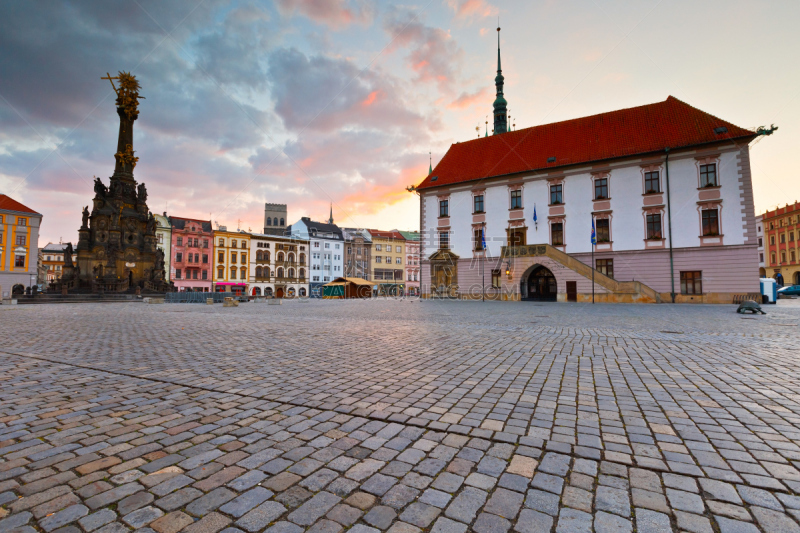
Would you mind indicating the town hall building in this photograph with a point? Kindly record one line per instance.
(664, 189)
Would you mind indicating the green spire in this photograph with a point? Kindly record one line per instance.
(430, 164)
(330, 218)
(500, 110)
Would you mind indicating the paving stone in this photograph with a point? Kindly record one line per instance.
(344, 514)
(577, 499)
(142, 517)
(692, 522)
(62, 518)
(172, 522)
(133, 502)
(489, 523)
(211, 523)
(770, 520)
(759, 497)
(573, 521)
(399, 496)
(178, 499)
(726, 525)
(259, 517)
(613, 500)
(210, 502)
(545, 502)
(420, 514)
(314, 508)
(15, 521)
(402, 527)
(610, 523)
(548, 483)
(245, 502)
(380, 516)
(648, 521)
(504, 503)
(464, 507)
(98, 519)
(445, 525)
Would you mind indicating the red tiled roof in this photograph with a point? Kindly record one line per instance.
(627, 132)
(9, 204)
(387, 234)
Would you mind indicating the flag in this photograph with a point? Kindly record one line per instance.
(483, 238)
(535, 220)
(594, 237)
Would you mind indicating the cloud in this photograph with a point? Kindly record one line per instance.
(467, 99)
(325, 94)
(433, 54)
(336, 14)
(472, 9)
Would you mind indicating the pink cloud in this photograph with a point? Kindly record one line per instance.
(335, 14)
(466, 99)
(467, 9)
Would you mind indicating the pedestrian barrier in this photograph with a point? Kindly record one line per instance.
(196, 297)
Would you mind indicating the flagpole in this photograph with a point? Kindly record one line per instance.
(592, 272)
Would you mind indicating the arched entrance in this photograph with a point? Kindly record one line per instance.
(539, 285)
(256, 291)
(762, 272)
(279, 292)
(796, 278)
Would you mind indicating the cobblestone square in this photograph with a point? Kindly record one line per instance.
(400, 416)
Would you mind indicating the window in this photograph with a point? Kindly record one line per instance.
(221, 242)
(337, 246)
(21, 239)
(691, 282)
(760, 241)
(708, 175)
(495, 279)
(398, 260)
(194, 274)
(783, 256)
(177, 273)
(205, 274)
(398, 249)
(388, 260)
(160, 238)
(654, 226)
(557, 234)
(478, 239)
(477, 203)
(516, 237)
(19, 260)
(233, 272)
(327, 245)
(302, 273)
(22, 221)
(603, 229)
(792, 255)
(244, 258)
(556, 194)
(233, 257)
(280, 272)
(378, 258)
(761, 257)
(605, 266)
(221, 257)
(516, 199)
(772, 239)
(783, 238)
(180, 241)
(316, 244)
(444, 208)
(242, 273)
(601, 188)
(205, 258)
(377, 247)
(178, 257)
(791, 236)
(651, 182)
(233, 243)
(773, 258)
(220, 272)
(205, 243)
(444, 240)
(710, 222)
(315, 278)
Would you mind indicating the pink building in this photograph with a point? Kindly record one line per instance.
(412, 262)
(192, 249)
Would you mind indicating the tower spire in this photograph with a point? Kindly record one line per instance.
(500, 110)
(430, 164)
(330, 217)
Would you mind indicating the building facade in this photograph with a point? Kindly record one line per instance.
(231, 261)
(412, 262)
(762, 265)
(278, 266)
(674, 224)
(191, 250)
(326, 250)
(19, 246)
(781, 228)
(388, 262)
(358, 253)
(164, 241)
(275, 219)
(53, 260)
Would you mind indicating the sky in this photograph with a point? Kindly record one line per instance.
(316, 103)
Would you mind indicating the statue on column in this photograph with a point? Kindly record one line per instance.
(85, 224)
(142, 193)
(99, 188)
(68, 256)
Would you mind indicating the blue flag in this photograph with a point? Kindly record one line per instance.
(535, 220)
(594, 237)
(483, 238)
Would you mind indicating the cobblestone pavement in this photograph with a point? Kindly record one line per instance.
(399, 416)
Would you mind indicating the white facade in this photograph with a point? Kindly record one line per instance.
(326, 252)
(278, 266)
(762, 271)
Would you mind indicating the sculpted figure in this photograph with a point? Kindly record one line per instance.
(68, 255)
(99, 188)
(151, 225)
(142, 192)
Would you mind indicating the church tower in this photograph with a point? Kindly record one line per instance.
(500, 104)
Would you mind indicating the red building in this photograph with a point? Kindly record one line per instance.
(781, 247)
(192, 249)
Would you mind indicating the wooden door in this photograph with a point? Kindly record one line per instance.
(279, 292)
(572, 291)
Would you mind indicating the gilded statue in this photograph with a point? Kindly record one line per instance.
(127, 157)
(127, 94)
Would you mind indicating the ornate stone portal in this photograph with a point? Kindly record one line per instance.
(117, 249)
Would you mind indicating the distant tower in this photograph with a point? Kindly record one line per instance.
(330, 218)
(274, 219)
(500, 104)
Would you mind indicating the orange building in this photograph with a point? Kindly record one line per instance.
(781, 247)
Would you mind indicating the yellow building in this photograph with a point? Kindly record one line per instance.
(231, 250)
(19, 246)
(388, 262)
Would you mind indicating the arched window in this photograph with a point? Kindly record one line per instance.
(281, 222)
(291, 258)
(221, 272)
(258, 272)
(280, 272)
(269, 221)
(266, 272)
(280, 257)
(290, 292)
(233, 272)
(243, 273)
(268, 291)
(302, 291)
(256, 291)
(266, 257)
(258, 255)
(302, 259)
(291, 272)
(302, 273)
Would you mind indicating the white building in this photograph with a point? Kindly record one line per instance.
(326, 251)
(278, 266)
(762, 269)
